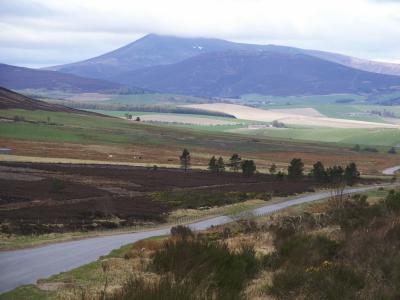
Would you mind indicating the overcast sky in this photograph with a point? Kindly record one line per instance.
(38, 33)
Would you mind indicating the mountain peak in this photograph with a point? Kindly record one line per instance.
(154, 49)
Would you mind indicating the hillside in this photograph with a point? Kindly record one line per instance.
(12, 100)
(152, 50)
(234, 73)
(14, 77)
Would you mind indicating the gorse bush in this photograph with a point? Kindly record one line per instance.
(362, 262)
(209, 265)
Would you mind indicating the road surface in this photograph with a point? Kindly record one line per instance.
(26, 266)
(391, 171)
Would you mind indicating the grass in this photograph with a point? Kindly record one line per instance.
(83, 276)
(156, 98)
(27, 292)
(372, 137)
(81, 129)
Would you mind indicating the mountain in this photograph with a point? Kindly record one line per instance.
(152, 50)
(14, 77)
(233, 73)
(13, 100)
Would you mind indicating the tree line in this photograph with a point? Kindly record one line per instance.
(336, 174)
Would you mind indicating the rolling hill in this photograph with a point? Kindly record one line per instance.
(234, 73)
(152, 50)
(13, 100)
(14, 77)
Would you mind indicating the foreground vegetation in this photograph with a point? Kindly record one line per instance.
(317, 251)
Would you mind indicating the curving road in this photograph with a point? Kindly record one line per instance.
(391, 171)
(26, 266)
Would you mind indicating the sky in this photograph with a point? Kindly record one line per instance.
(37, 33)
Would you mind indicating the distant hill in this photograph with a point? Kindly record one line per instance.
(25, 78)
(234, 73)
(152, 50)
(13, 100)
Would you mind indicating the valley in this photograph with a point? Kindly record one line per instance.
(237, 170)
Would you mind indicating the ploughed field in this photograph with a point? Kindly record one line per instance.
(43, 198)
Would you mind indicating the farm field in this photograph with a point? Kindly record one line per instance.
(114, 140)
(329, 105)
(380, 138)
(290, 117)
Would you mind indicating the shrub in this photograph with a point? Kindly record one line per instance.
(211, 265)
(57, 186)
(308, 250)
(392, 201)
(325, 281)
(136, 288)
(182, 232)
(196, 199)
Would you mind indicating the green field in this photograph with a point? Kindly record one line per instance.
(371, 137)
(327, 105)
(152, 99)
(65, 127)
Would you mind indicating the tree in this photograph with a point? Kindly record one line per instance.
(248, 167)
(212, 165)
(272, 169)
(318, 172)
(185, 159)
(137, 119)
(220, 165)
(351, 173)
(356, 148)
(337, 185)
(296, 168)
(235, 162)
(392, 150)
(278, 124)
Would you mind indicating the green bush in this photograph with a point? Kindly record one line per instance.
(183, 232)
(327, 281)
(307, 250)
(196, 199)
(211, 265)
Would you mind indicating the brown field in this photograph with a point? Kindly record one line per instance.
(278, 152)
(65, 197)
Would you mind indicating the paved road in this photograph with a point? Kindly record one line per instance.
(26, 266)
(391, 171)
